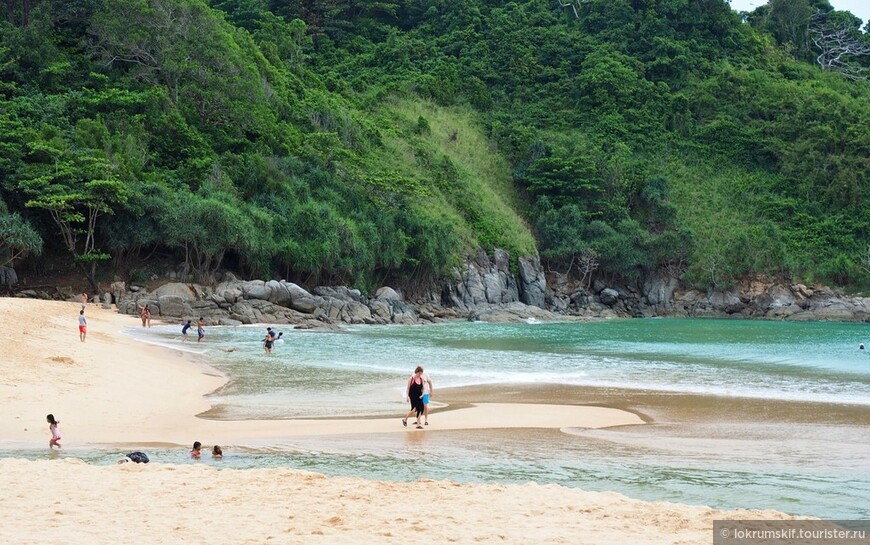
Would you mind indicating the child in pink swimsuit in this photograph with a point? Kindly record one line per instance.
(55, 431)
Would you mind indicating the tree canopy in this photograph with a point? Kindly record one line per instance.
(368, 140)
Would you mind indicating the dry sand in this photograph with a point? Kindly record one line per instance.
(112, 389)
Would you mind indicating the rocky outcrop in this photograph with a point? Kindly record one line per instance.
(484, 281)
(484, 288)
(533, 282)
(511, 313)
(659, 295)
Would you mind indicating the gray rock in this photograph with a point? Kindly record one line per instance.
(229, 321)
(515, 312)
(243, 312)
(174, 305)
(833, 310)
(532, 287)
(355, 313)
(475, 291)
(659, 287)
(342, 293)
(302, 301)
(381, 310)
(387, 294)
(581, 298)
(609, 296)
(255, 289)
(493, 287)
(803, 316)
(560, 303)
(8, 276)
(175, 289)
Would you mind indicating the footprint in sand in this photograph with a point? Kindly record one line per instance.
(62, 359)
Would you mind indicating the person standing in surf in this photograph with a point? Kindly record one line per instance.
(414, 394)
(267, 342)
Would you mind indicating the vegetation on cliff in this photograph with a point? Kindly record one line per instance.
(363, 141)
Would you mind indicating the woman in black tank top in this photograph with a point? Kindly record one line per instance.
(414, 393)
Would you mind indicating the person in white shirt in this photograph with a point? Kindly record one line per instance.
(83, 326)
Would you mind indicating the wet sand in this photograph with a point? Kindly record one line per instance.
(663, 407)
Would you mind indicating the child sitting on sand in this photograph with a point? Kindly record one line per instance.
(55, 431)
(217, 453)
(196, 451)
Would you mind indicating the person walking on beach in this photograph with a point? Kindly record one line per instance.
(142, 310)
(200, 329)
(147, 313)
(427, 394)
(184, 329)
(54, 428)
(84, 300)
(83, 326)
(414, 394)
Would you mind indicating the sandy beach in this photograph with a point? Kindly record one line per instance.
(112, 389)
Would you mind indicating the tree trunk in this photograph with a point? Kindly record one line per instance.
(90, 274)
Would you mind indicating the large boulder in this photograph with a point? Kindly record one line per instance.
(356, 313)
(301, 300)
(8, 276)
(387, 294)
(279, 293)
(175, 289)
(173, 305)
(609, 296)
(255, 289)
(342, 293)
(833, 310)
(381, 311)
(775, 299)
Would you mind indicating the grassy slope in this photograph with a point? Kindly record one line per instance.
(464, 180)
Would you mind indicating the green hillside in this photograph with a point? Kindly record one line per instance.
(364, 142)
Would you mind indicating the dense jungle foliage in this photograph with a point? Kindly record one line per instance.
(364, 141)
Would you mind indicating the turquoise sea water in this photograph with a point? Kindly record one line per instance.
(362, 370)
(811, 469)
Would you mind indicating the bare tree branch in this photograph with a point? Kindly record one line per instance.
(588, 262)
(574, 4)
(842, 48)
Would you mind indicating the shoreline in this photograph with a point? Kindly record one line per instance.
(113, 389)
(131, 405)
